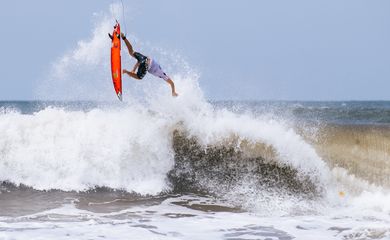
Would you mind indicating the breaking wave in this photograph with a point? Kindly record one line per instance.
(134, 147)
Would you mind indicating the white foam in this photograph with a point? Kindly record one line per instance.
(131, 147)
(58, 149)
(170, 221)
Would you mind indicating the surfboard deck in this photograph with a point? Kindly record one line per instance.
(116, 66)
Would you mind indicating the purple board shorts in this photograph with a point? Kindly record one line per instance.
(156, 70)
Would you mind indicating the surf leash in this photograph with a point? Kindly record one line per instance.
(123, 15)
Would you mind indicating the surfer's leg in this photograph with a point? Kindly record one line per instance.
(172, 84)
(155, 69)
(131, 74)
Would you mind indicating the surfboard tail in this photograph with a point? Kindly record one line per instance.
(119, 94)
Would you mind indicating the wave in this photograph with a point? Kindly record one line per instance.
(76, 150)
(173, 145)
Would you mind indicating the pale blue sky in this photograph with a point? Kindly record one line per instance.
(246, 49)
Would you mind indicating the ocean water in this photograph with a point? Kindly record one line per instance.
(191, 169)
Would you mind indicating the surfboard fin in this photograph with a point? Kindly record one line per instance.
(120, 96)
(110, 36)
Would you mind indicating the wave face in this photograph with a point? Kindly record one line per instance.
(364, 150)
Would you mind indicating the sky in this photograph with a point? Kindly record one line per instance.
(243, 49)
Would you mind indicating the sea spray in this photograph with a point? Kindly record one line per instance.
(82, 73)
(76, 150)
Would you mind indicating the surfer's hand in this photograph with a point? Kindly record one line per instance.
(174, 94)
(123, 36)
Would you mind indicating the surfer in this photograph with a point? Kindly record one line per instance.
(146, 64)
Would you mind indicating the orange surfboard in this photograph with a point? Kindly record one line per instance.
(116, 67)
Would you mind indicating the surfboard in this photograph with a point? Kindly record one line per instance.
(116, 67)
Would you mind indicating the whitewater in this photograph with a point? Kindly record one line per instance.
(157, 167)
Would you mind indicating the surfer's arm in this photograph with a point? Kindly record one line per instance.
(128, 45)
(131, 74)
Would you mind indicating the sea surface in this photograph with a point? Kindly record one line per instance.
(187, 168)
